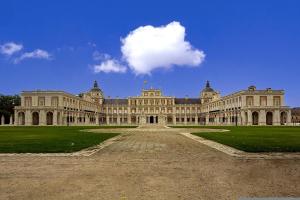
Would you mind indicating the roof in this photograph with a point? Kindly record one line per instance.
(116, 101)
(187, 101)
(96, 88)
(207, 88)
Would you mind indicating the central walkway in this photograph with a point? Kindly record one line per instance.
(148, 163)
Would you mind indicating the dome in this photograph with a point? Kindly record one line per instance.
(96, 88)
(207, 88)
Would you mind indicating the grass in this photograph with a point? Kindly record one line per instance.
(60, 139)
(256, 138)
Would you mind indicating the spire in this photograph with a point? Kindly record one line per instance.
(95, 84)
(207, 84)
(207, 87)
(96, 87)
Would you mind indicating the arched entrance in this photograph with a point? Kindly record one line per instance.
(151, 120)
(255, 118)
(21, 118)
(283, 117)
(269, 118)
(49, 118)
(35, 118)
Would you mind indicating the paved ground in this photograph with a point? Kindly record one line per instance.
(148, 164)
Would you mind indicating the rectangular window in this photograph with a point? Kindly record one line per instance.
(276, 101)
(28, 101)
(54, 101)
(249, 100)
(263, 100)
(41, 101)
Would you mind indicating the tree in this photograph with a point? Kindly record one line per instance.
(7, 104)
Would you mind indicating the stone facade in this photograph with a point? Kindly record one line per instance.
(246, 107)
(296, 116)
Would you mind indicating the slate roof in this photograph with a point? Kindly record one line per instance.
(187, 101)
(207, 88)
(116, 101)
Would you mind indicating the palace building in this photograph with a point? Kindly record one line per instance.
(246, 107)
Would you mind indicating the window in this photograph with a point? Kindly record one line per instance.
(263, 100)
(41, 101)
(54, 101)
(276, 101)
(28, 101)
(249, 100)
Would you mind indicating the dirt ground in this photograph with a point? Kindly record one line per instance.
(148, 163)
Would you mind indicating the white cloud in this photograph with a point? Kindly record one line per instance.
(38, 53)
(100, 56)
(10, 48)
(147, 48)
(110, 65)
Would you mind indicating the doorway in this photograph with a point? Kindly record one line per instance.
(151, 120)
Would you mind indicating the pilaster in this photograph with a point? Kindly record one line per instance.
(249, 114)
(276, 118)
(55, 118)
(262, 117)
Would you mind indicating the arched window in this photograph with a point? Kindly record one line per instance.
(283, 117)
(269, 118)
(49, 118)
(35, 118)
(21, 118)
(255, 118)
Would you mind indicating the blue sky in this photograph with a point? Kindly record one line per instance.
(244, 42)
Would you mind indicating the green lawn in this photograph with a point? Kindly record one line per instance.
(257, 138)
(49, 139)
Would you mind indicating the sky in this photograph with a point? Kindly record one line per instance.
(175, 45)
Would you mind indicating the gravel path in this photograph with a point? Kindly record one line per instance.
(148, 163)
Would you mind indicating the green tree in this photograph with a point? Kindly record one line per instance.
(7, 104)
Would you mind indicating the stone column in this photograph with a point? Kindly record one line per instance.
(16, 116)
(196, 119)
(87, 119)
(289, 118)
(239, 119)
(207, 119)
(107, 119)
(28, 118)
(118, 120)
(2, 120)
(42, 118)
(11, 120)
(174, 119)
(63, 118)
(276, 118)
(129, 119)
(55, 117)
(97, 119)
(216, 120)
(185, 119)
(262, 117)
(249, 113)
(242, 118)
(228, 118)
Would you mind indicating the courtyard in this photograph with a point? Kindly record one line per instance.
(148, 163)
